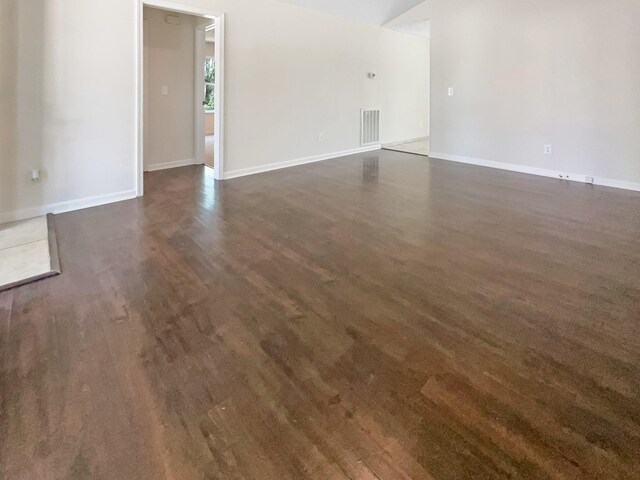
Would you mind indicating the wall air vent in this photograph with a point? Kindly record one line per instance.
(370, 127)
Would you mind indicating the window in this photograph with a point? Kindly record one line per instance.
(209, 83)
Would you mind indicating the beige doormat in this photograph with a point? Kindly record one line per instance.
(28, 251)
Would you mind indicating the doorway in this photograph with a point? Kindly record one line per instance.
(209, 93)
(179, 120)
(416, 138)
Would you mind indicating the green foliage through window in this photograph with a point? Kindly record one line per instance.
(209, 83)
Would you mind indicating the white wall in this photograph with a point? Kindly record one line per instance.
(405, 90)
(169, 61)
(75, 102)
(22, 87)
(309, 76)
(8, 101)
(530, 73)
(306, 76)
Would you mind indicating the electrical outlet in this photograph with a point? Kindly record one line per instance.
(548, 149)
(321, 137)
(296, 140)
(450, 91)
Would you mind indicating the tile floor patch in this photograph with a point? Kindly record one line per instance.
(19, 233)
(24, 251)
(420, 147)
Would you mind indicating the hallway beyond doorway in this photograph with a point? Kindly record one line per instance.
(209, 150)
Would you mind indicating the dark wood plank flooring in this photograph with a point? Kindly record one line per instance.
(380, 316)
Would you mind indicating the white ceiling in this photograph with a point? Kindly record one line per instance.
(377, 12)
(421, 28)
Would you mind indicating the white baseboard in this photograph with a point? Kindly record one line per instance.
(68, 206)
(402, 142)
(543, 172)
(177, 163)
(300, 161)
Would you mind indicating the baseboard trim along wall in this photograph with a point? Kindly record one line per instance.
(69, 206)
(175, 164)
(300, 161)
(542, 172)
(98, 200)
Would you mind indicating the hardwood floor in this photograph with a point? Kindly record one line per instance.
(380, 316)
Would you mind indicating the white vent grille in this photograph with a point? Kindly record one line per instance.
(370, 127)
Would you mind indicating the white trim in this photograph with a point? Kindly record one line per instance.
(177, 163)
(67, 206)
(198, 97)
(139, 104)
(402, 142)
(300, 161)
(219, 124)
(622, 184)
(182, 8)
(543, 172)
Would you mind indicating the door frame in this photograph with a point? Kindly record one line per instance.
(201, 114)
(218, 148)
